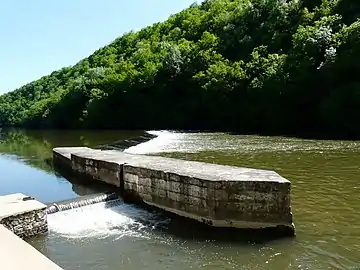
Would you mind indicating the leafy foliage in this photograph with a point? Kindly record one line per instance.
(266, 66)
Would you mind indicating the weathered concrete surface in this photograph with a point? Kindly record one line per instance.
(16, 254)
(221, 196)
(14, 204)
(22, 215)
(62, 159)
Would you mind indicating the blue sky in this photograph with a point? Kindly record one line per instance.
(40, 36)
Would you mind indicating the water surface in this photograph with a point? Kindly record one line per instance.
(26, 167)
(325, 201)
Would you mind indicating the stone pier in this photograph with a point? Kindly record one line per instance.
(218, 195)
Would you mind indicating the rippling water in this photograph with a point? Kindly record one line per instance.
(325, 196)
(325, 201)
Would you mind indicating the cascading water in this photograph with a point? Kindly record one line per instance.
(104, 219)
(125, 144)
(80, 202)
(163, 141)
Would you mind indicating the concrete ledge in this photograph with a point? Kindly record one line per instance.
(16, 204)
(16, 254)
(23, 215)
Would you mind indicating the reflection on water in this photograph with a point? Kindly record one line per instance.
(35, 147)
(26, 166)
(325, 200)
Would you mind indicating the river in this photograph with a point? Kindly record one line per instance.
(325, 203)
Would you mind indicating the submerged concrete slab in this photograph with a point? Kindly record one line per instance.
(16, 254)
(218, 195)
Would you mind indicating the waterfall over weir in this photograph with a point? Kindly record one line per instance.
(100, 216)
(80, 202)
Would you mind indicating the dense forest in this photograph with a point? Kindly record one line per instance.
(248, 66)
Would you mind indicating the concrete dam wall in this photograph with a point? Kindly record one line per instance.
(218, 195)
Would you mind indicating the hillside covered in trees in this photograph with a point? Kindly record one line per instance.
(249, 66)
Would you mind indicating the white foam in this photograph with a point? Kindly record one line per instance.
(98, 221)
(166, 141)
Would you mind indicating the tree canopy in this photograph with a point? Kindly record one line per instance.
(249, 66)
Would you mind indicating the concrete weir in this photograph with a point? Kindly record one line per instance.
(218, 195)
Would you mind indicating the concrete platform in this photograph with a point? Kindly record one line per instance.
(14, 204)
(16, 254)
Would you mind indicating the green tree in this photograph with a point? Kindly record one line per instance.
(264, 66)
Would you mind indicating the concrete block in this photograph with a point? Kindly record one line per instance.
(215, 194)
